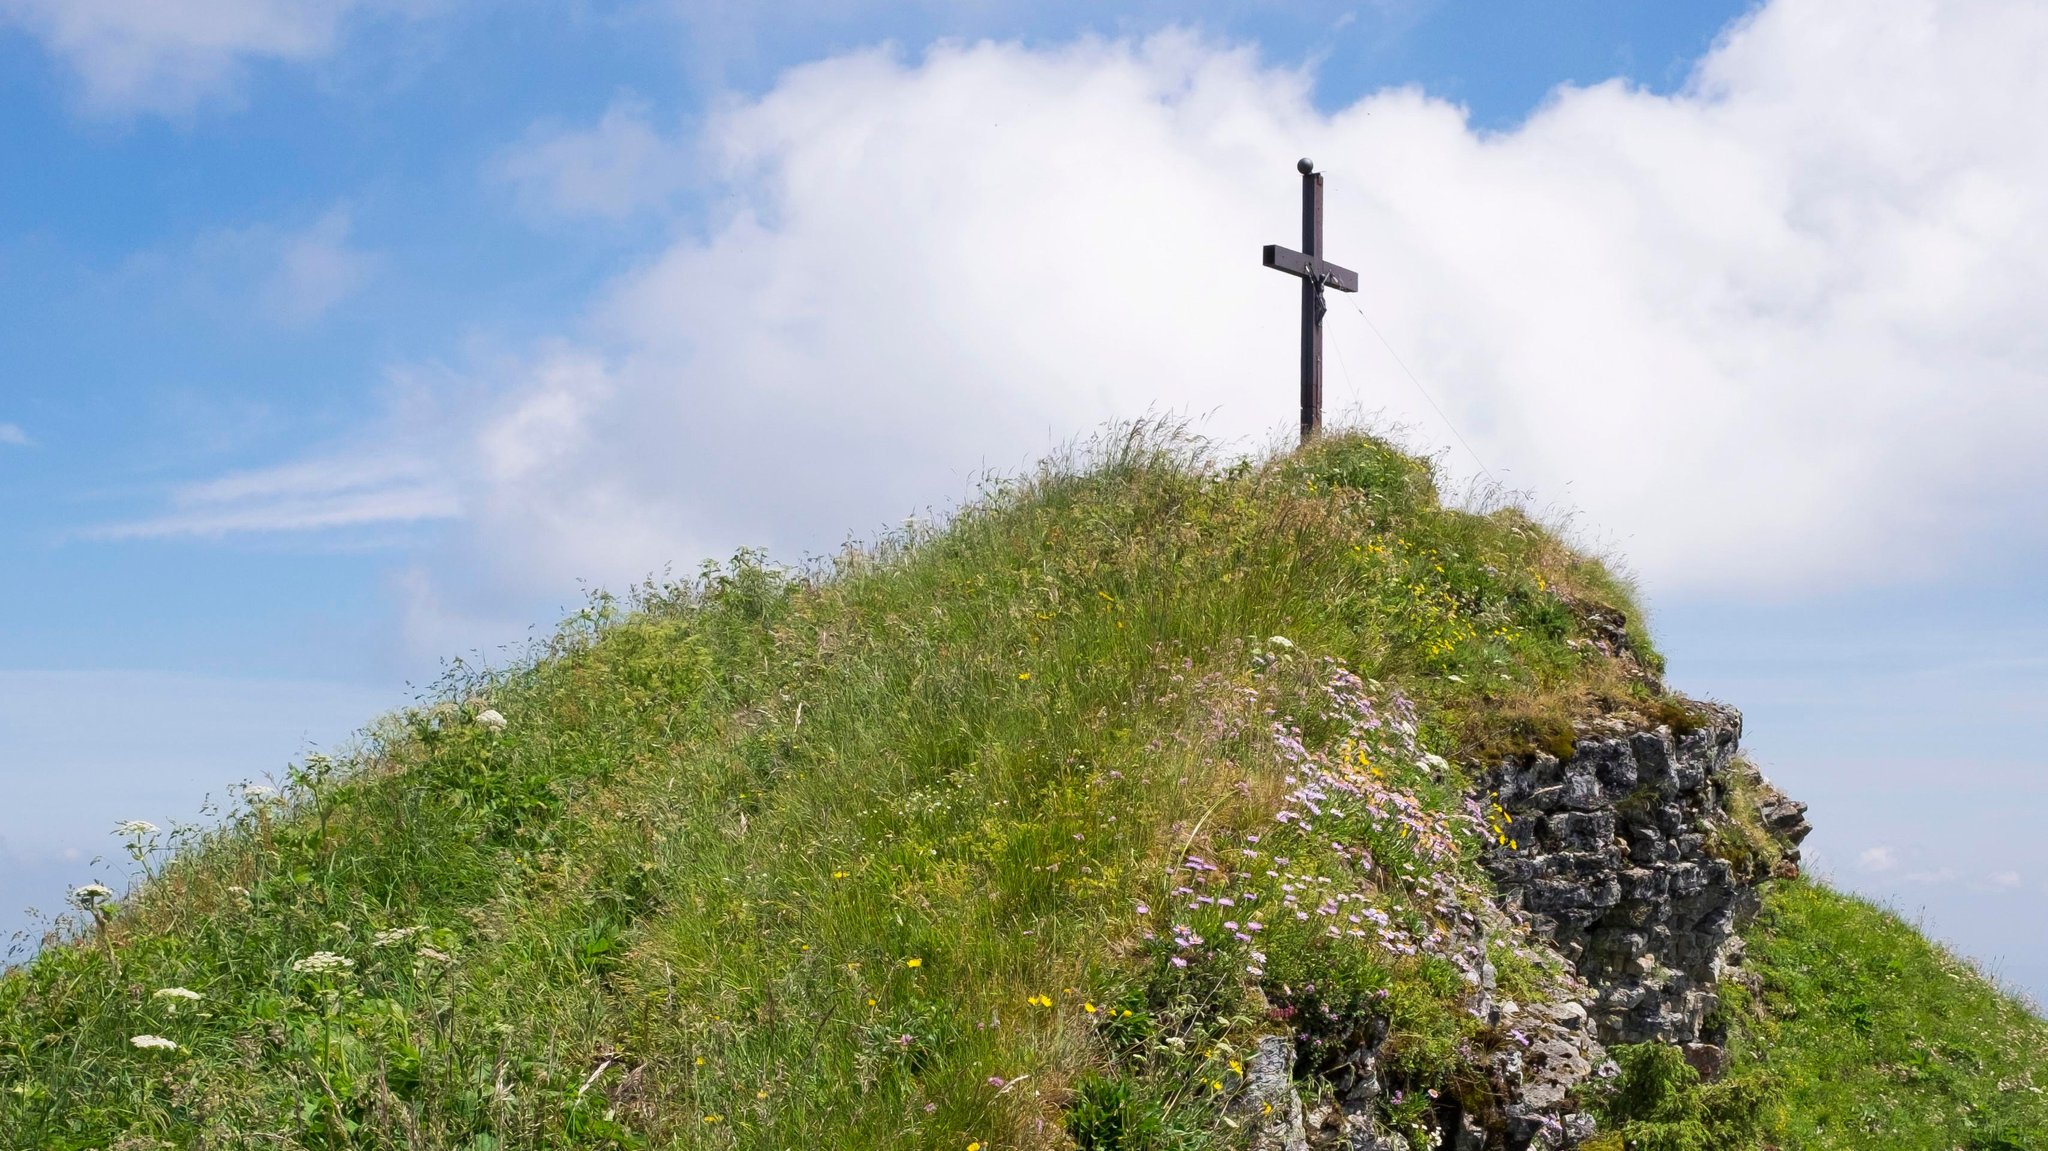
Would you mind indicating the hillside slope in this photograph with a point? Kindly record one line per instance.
(1129, 809)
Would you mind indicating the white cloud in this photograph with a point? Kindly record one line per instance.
(316, 268)
(1877, 859)
(2005, 879)
(11, 435)
(321, 494)
(1777, 331)
(290, 275)
(169, 55)
(619, 167)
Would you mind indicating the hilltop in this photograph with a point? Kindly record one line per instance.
(1147, 802)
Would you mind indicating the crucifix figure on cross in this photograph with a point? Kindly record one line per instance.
(1316, 273)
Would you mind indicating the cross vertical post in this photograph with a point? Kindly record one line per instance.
(1316, 274)
(1311, 305)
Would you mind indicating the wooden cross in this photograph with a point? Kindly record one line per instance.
(1316, 273)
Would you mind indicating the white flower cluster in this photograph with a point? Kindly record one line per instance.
(322, 963)
(395, 935)
(184, 993)
(90, 895)
(136, 827)
(153, 1043)
(491, 718)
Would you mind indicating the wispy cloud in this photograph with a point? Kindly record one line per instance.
(317, 269)
(337, 492)
(293, 275)
(1877, 859)
(616, 168)
(12, 436)
(170, 55)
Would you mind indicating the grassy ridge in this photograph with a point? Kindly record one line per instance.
(855, 856)
(1010, 833)
(1879, 1038)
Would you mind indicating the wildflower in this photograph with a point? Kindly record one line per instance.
(974, 1146)
(1088, 1007)
(184, 993)
(913, 961)
(322, 963)
(1023, 675)
(490, 718)
(153, 1043)
(436, 956)
(395, 935)
(90, 895)
(1280, 641)
(135, 827)
(1143, 909)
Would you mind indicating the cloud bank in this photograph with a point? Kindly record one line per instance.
(1779, 330)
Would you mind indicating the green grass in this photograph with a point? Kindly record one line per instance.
(910, 849)
(1876, 1037)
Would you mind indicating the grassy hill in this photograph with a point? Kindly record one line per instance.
(1015, 832)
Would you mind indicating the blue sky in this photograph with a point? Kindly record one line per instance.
(339, 338)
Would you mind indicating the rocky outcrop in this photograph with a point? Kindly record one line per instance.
(1538, 1058)
(1634, 859)
(1629, 858)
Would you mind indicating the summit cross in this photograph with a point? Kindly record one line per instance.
(1316, 273)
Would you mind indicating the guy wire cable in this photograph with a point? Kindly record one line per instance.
(1424, 392)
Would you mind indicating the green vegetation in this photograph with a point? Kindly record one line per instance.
(1876, 1037)
(1012, 833)
(1659, 1104)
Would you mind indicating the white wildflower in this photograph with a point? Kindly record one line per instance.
(1280, 641)
(153, 1043)
(436, 956)
(395, 935)
(490, 718)
(136, 827)
(90, 896)
(184, 993)
(322, 963)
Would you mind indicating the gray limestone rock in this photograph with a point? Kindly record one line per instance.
(1617, 872)
(1268, 1104)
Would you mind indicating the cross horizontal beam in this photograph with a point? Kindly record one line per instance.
(1310, 267)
